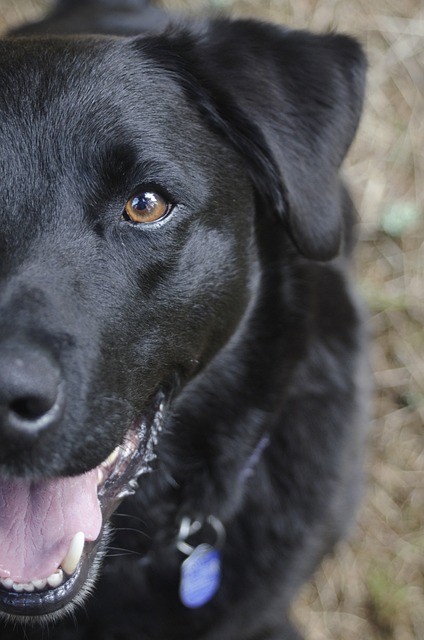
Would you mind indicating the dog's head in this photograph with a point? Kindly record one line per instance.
(134, 176)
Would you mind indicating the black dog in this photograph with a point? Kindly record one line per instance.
(176, 313)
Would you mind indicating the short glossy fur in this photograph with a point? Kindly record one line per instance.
(239, 305)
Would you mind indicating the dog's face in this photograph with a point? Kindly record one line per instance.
(126, 260)
(126, 231)
(129, 256)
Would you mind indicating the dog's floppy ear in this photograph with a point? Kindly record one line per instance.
(290, 103)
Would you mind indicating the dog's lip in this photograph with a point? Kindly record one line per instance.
(43, 603)
(116, 478)
(117, 475)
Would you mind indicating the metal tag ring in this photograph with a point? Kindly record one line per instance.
(190, 527)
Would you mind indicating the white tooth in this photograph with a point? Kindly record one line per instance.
(39, 584)
(18, 586)
(70, 562)
(28, 586)
(55, 579)
(112, 458)
(7, 582)
(100, 476)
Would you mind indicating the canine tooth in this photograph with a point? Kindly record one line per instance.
(39, 584)
(70, 562)
(55, 579)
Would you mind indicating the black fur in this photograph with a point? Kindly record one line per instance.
(239, 307)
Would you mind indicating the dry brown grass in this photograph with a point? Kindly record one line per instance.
(373, 589)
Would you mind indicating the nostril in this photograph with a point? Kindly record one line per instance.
(31, 408)
(31, 389)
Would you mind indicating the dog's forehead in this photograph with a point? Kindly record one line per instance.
(66, 102)
(83, 71)
(64, 87)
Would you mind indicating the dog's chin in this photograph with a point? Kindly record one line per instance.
(52, 604)
(43, 601)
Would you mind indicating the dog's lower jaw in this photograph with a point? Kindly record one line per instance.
(25, 609)
(116, 479)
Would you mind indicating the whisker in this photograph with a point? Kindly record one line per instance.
(133, 530)
(128, 515)
(119, 552)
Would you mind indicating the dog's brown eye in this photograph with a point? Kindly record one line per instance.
(146, 207)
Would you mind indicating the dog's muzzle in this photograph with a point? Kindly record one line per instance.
(53, 532)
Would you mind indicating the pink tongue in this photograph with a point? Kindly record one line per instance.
(39, 521)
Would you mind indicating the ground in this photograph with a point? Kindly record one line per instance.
(373, 588)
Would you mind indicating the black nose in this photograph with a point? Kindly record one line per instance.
(31, 397)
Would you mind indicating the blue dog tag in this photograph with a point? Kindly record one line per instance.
(200, 576)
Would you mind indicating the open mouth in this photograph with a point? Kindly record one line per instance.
(53, 534)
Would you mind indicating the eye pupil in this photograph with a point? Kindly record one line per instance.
(144, 202)
(146, 207)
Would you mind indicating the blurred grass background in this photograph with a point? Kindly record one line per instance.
(373, 589)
